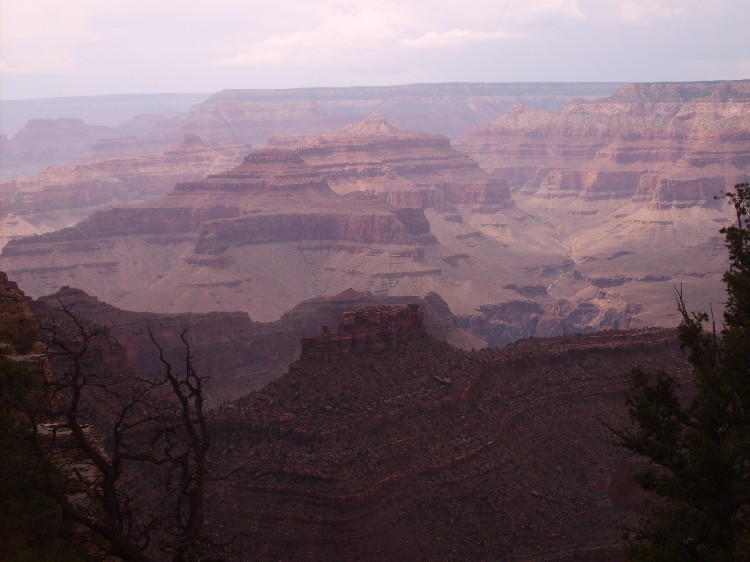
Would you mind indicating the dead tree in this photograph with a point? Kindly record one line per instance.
(124, 457)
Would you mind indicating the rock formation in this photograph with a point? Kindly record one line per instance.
(629, 184)
(590, 216)
(373, 329)
(418, 451)
(674, 144)
(237, 354)
(259, 238)
(63, 195)
(407, 169)
(445, 109)
(38, 133)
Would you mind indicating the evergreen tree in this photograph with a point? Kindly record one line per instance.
(699, 447)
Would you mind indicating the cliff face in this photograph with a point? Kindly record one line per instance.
(369, 330)
(408, 169)
(263, 236)
(406, 449)
(644, 133)
(63, 195)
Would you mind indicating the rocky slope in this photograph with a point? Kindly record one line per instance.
(64, 195)
(18, 325)
(382, 443)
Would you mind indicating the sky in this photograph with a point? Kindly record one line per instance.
(53, 48)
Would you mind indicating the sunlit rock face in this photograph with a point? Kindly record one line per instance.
(408, 169)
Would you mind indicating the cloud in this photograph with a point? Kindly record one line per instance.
(545, 10)
(342, 35)
(455, 37)
(647, 13)
(42, 37)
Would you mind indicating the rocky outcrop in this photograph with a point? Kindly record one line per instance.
(369, 330)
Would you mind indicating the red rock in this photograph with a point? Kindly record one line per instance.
(408, 169)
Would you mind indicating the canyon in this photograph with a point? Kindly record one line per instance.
(383, 442)
(237, 355)
(65, 194)
(548, 220)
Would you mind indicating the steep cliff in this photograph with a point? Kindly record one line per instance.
(673, 131)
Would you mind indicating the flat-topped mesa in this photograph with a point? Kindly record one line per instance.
(216, 236)
(667, 193)
(374, 132)
(366, 331)
(265, 170)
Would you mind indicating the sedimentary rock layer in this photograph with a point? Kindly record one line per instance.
(408, 449)
(408, 169)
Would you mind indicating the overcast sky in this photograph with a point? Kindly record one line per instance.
(84, 47)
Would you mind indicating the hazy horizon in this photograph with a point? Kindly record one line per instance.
(87, 48)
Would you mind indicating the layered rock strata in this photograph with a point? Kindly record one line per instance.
(408, 169)
(373, 329)
(242, 233)
(445, 109)
(424, 452)
(638, 142)
(631, 185)
(63, 195)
